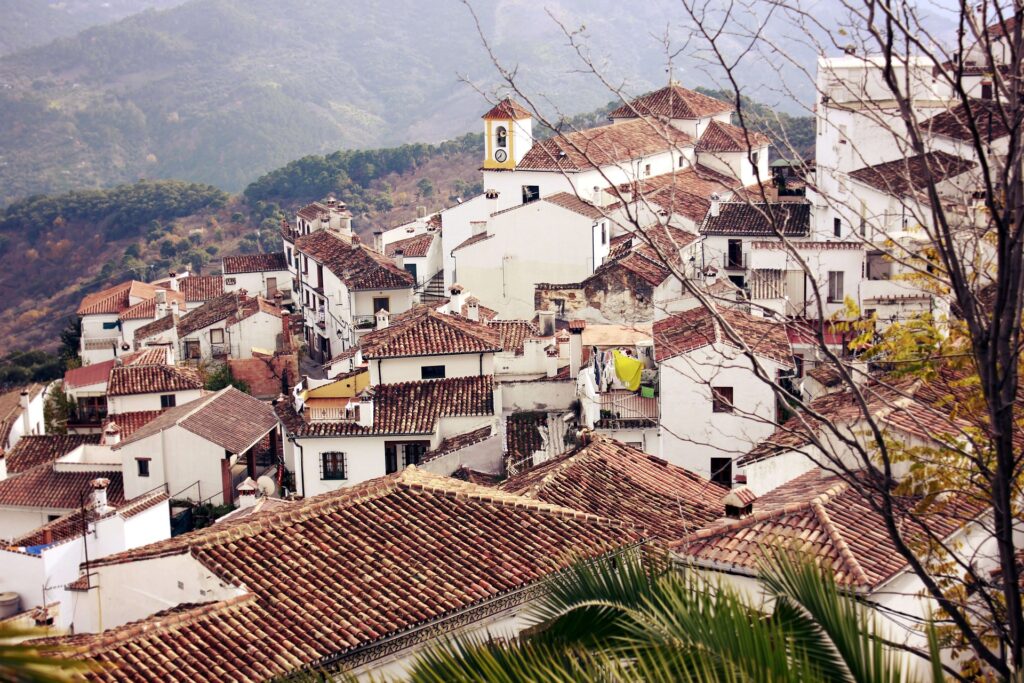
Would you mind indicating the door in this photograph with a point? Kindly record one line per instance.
(271, 287)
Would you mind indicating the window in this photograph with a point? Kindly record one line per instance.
(837, 227)
(290, 256)
(411, 269)
(647, 169)
(414, 453)
(230, 280)
(721, 399)
(52, 518)
(168, 401)
(192, 350)
(835, 286)
(682, 161)
(142, 466)
(381, 302)
(531, 193)
(390, 458)
(721, 471)
(604, 234)
(92, 408)
(753, 159)
(986, 90)
(116, 325)
(432, 372)
(798, 363)
(502, 136)
(271, 286)
(333, 466)
(217, 336)
(305, 264)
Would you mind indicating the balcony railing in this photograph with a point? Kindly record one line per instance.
(332, 414)
(99, 343)
(364, 322)
(734, 261)
(625, 405)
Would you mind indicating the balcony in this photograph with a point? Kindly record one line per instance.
(734, 261)
(100, 343)
(344, 413)
(364, 322)
(625, 405)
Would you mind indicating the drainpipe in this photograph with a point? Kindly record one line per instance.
(301, 461)
(481, 365)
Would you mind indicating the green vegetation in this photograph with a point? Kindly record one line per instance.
(220, 377)
(120, 211)
(351, 174)
(622, 621)
(21, 367)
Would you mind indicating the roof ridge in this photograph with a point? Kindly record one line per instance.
(818, 507)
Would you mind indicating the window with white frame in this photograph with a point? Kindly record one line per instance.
(835, 286)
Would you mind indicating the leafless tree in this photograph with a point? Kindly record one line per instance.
(972, 253)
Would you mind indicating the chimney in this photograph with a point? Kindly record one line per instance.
(26, 417)
(99, 495)
(355, 241)
(400, 259)
(551, 360)
(378, 240)
(161, 303)
(173, 281)
(365, 418)
(492, 201)
(473, 308)
(455, 304)
(739, 502)
(576, 347)
(546, 320)
(421, 212)
(111, 434)
(710, 275)
(383, 319)
(478, 227)
(246, 493)
(716, 201)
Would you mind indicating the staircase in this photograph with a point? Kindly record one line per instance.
(432, 291)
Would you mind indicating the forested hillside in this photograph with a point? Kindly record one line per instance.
(222, 91)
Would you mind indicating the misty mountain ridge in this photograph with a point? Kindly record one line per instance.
(222, 91)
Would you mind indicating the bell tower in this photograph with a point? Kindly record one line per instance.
(508, 134)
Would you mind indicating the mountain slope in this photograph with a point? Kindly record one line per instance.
(221, 91)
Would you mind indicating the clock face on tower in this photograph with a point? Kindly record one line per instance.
(500, 156)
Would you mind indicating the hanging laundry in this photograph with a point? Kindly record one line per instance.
(628, 369)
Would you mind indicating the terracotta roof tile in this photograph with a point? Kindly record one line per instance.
(823, 517)
(570, 201)
(699, 327)
(358, 266)
(131, 422)
(10, 409)
(523, 435)
(602, 146)
(156, 327)
(45, 487)
(423, 331)
(230, 308)
(146, 309)
(151, 379)
(416, 246)
(673, 102)
(610, 479)
(513, 334)
(96, 373)
(32, 450)
(755, 218)
(201, 287)
(904, 176)
(116, 299)
(70, 525)
(406, 408)
(687, 192)
(955, 123)
(396, 552)
(254, 263)
(232, 420)
(507, 109)
(725, 137)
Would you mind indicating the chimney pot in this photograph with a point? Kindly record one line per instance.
(400, 259)
(99, 494)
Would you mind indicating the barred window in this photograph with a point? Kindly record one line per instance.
(333, 465)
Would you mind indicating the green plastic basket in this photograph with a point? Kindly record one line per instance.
(647, 392)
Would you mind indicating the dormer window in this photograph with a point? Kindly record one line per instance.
(502, 137)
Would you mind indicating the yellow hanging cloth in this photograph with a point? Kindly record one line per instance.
(628, 369)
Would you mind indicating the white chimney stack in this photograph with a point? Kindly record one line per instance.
(456, 301)
(365, 418)
(173, 281)
(99, 495)
(715, 204)
(473, 308)
(161, 303)
(378, 241)
(247, 493)
(400, 258)
(492, 201)
(26, 417)
(111, 434)
(383, 319)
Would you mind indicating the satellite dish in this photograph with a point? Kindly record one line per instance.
(266, 486)
(125, 347)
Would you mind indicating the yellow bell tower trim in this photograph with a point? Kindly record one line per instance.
(489, 150)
